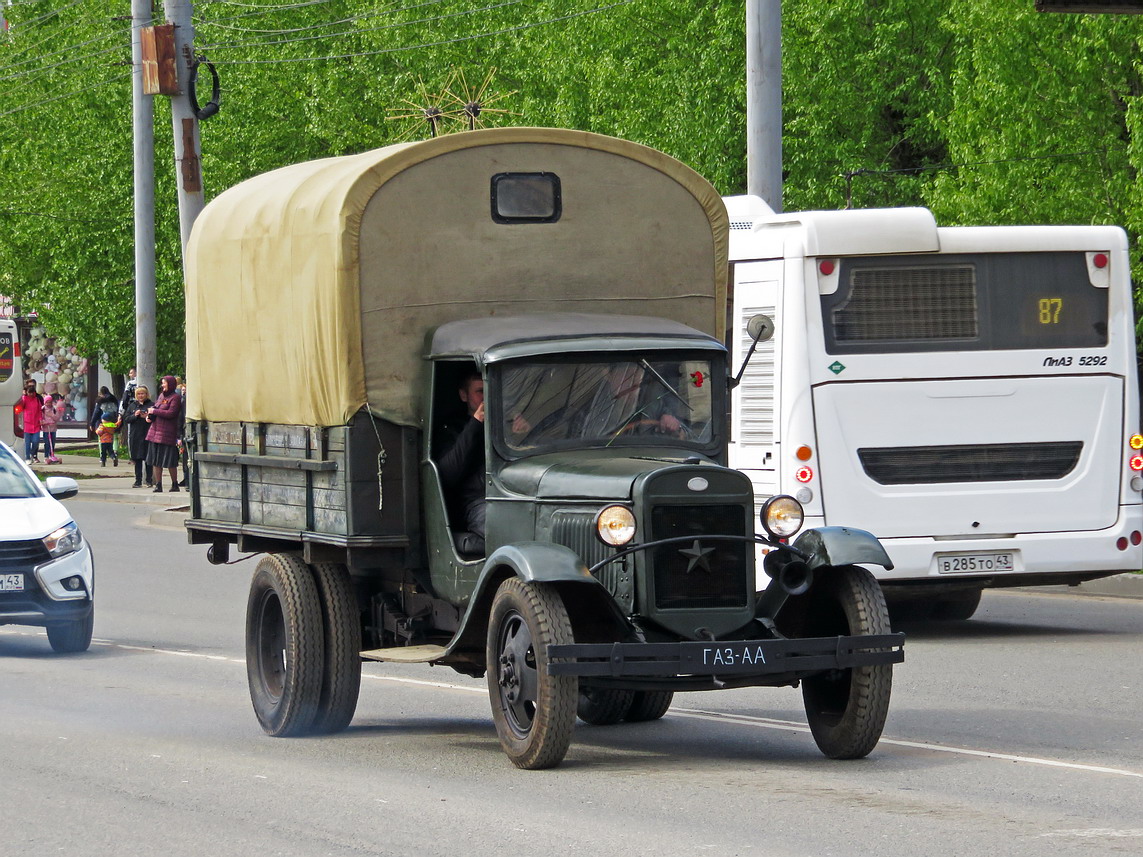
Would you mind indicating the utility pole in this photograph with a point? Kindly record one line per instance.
(764, 100)
(188, 165)
(143, 113)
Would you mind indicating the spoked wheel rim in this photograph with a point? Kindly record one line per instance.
(272, 645)
(517, 675)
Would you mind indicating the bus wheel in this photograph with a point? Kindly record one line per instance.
(534, 712)
(341, 675)
(285, 645)
(649, 705)
(602, 706)
(958, 607)
(847, 708)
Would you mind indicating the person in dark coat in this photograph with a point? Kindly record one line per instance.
(135, 419)
(461, 464)
(106, 407)
(163, 435)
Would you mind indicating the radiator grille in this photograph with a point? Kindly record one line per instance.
(22, 555)
(714, 575)
(909, 304)
(986, 462)
(575, 529)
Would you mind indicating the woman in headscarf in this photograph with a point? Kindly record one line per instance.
(163, 436)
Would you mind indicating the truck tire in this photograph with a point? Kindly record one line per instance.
(341, 675)
(534, 712)
(847, 708)
(958, 607)
(603, 706)
(649, 705)
(74, 636)
(285, 645)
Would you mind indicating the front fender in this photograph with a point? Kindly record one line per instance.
(535, 562)
(841, 546)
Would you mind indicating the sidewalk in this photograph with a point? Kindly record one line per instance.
(113, 484)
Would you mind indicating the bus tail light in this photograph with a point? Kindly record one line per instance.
(1136, 462)
(1136, 441)
(804, 474)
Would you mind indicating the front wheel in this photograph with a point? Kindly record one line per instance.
(534, 712)
(846, 709)
(74, 636)
(285, 645)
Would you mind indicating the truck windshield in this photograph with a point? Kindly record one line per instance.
(626, 400)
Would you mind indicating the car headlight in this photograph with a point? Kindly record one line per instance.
(65, 540)
(782, 516)
(615, 526)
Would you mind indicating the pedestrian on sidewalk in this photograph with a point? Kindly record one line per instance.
(163, 436)
(106, 404)
(128, 391)
(106, 434)
(53, 411)
(135, 419)
(183, 453)
(32, 404)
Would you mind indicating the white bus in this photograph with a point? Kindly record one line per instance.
(11, 380)
(967, 394)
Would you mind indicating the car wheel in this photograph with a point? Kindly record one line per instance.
(75, 636)
(599, 706)
(534, 712)
(341, 674)
(649, 705)
(285, 645)
(846, 708)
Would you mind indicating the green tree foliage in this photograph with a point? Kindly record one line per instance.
(1040, 112)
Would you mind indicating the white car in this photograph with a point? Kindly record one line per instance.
(47, 575)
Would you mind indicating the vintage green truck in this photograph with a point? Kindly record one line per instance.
(337, 309)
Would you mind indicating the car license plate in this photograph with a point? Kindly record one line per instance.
(970, 562)
(11, 583)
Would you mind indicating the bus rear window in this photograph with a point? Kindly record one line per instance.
(980, 302)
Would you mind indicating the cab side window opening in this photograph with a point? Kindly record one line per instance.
(458, 451)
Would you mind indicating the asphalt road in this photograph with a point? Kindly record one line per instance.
(1016, 733)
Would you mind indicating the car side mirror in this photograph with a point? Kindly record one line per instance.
(61, 487)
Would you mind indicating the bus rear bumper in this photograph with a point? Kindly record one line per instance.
(1026, 559)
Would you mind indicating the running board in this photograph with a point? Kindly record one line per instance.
(406, 654)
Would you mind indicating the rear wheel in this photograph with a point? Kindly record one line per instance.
(846, 709)
(74, 636)
(649, 705)
(534, 712)
(958, 607)
(285, 645)
(341, 675)
(603, 706)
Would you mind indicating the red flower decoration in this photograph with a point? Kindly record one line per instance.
(697, 378)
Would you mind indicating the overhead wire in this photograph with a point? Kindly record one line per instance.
(391, 8)
(355, 31)
(458, 39)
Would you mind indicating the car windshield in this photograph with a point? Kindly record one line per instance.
(614, 400)
(14, 480)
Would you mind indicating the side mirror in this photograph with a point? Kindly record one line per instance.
(760, 327)
(61, 487)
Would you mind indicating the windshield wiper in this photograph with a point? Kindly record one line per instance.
(643, 362)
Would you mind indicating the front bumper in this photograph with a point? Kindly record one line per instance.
(44, 600)
(720, 663)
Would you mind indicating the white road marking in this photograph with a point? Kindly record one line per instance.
(696, 713)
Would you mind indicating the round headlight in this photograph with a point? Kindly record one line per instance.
(615, 526)
(782, 516)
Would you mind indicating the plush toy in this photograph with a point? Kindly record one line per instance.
(51, 383)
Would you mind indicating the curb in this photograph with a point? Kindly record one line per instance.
(1116, 586)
